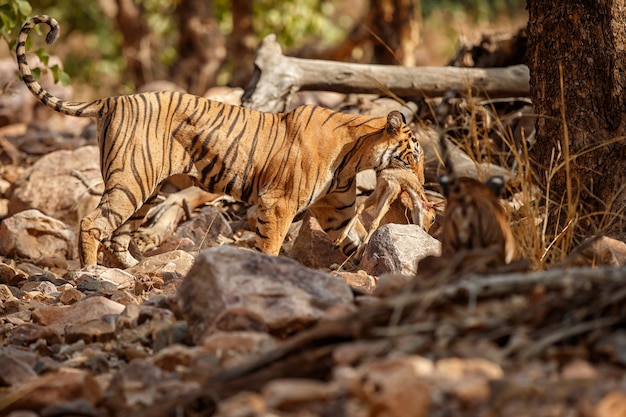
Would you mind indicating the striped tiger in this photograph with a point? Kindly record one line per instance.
(282, 163)
(474, 220)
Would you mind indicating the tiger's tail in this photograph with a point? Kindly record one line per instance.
(80, 109)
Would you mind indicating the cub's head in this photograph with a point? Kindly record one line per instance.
(403, 150)
(474, 219)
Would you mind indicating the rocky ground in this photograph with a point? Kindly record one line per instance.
(205, 326)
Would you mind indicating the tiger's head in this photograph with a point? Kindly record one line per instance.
(403, 150)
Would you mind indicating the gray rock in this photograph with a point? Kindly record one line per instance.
(14, 372)
(31, 234)
(205, 228)
(397, 248)
(88, 309)
(313, 248)
(50, 186)
(285, 294)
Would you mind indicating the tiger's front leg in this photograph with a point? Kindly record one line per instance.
(274, 216)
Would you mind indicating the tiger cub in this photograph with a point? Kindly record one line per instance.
(282, 163)
(390, 184)
(474, 220)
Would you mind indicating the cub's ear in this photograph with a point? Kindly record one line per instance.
(395, 120)
(496, 185)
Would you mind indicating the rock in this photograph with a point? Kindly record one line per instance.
(392, 388)
(58, 387)
(90, 332)
(45, 287)
(286, 295)
(170, 334)
(99, 278)
(141, 384)
(90, 308)
(237, 347)
(31, 234)
(174, 357)
(168, 266)
(70, 296)
(245, 403)
(205, 228)
(290, 394)
(78, 407)
(14, 372)
(389, 284)
(397, 248)
(49, 186)
(579, 369)
(6, 294)
(313, 248)
(10, 275)
(27, 333)
(357, 280)
(599, 250)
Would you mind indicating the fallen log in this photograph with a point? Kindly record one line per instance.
(277, 77)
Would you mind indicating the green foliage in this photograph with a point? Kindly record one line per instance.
(12, 12)
(95, 58)
(296, 21)
(478, 9)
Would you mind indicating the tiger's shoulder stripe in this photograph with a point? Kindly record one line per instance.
(91, 109)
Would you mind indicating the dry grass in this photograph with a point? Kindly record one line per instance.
(530, 204)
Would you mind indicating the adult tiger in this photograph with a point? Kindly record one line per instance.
(283, 163)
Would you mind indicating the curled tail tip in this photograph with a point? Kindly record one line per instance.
(52, 35)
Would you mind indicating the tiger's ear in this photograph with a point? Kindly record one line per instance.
(395, 120)
(496, 184)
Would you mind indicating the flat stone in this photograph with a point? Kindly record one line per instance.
(313, 247)
(11, 276)
(90, 332)
(286, 295)
(49, 186)
(88, 309)
(14, 372)
(30, 234)
(397, 248)
(237, 347)
(58, 387)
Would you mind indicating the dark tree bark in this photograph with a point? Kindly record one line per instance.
(580, 43)
(395, 27)
(202, 47)
(134, 30)
(242, 43)
(388, 34)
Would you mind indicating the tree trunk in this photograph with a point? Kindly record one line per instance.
(577, 61)
(134, 31)
(202, 47)
(243, 43)
(395, 25)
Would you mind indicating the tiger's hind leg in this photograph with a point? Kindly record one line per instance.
(114, 209)
(121, 240)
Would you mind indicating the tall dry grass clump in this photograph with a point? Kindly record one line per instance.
(488, 138)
